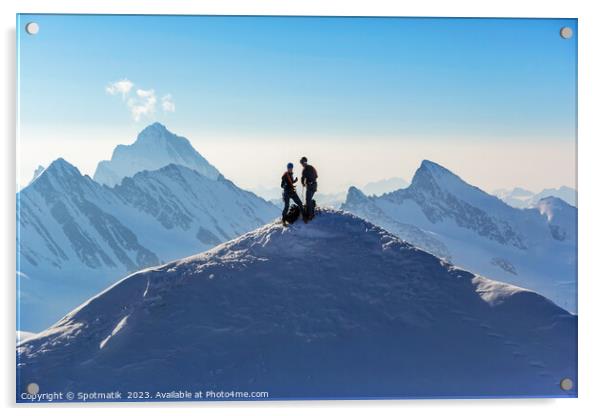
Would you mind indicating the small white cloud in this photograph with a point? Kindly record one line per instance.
(141, 103)
(122, 87)
(168, 104)
(145, 93)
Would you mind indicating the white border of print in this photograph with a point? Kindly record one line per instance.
(590, 151)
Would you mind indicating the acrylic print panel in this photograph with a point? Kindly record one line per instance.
(167, 252)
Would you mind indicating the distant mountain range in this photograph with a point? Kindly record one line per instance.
(335, 199)
(158, 199)
(336, 308)
(76, 235)
(439, 212)
(523, 198)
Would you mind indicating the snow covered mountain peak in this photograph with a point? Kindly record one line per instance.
(61, 167)
(157, 133)
(154, 127)
(434, 168)
(430, 173)
(59, 170)
(434, 178)
(441, 213)
(77, 235)
(300, 311)
(154, 148)
(443, 190)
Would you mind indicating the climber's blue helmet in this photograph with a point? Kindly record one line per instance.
(289, 166)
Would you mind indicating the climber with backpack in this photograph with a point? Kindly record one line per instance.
(309, 179)
(289, 192)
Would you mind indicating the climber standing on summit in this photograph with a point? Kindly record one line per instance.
(309, 179)
(288, 191)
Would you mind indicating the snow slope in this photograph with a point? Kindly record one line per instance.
(76, 236)
(154, 148)
(24, 335)
(363, 206)
(480, 232)
(336, 308)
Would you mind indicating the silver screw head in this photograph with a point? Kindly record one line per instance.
(566, 32)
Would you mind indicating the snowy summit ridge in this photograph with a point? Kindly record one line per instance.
(300, 311)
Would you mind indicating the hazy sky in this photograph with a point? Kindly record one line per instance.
(363, 98)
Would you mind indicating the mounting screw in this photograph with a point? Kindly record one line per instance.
(33, 388)
(566, 32)
(32, 28)
(566, 384)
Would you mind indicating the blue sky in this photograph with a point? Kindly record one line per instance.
(413, 86)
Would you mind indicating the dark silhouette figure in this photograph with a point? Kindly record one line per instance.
(289, 191)
(309, 179)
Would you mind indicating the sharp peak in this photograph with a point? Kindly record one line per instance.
(157, 130)
(433, 166)
(58, 168)
(62, 164)
(432, 169)
(155, 126)
(158, 133)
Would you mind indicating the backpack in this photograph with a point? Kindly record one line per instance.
(293, 214)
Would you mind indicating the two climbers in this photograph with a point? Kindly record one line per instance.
(309, 178)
